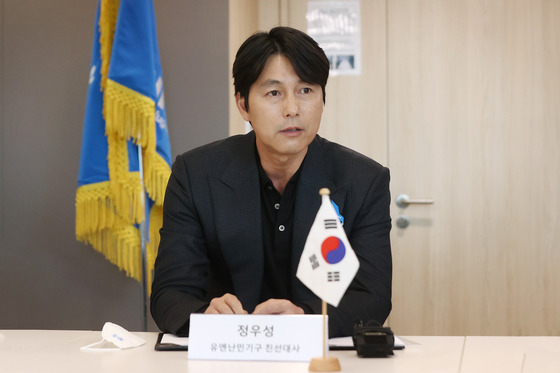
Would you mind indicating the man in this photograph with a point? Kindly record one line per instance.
(237, 211)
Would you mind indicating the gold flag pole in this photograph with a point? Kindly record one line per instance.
(143, 256)
(324, 363)
(324, 310)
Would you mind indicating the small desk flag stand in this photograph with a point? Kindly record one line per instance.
(327, 267)
(325, 363)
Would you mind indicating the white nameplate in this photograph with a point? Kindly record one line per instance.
(255, 337)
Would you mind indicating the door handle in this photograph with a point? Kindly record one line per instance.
(403, 201)
(403, 221)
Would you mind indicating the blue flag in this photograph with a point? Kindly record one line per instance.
(125, 123)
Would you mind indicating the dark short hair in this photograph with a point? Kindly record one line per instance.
(308, 59)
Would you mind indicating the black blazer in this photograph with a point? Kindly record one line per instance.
(211, 239)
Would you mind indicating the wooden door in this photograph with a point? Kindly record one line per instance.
(474, 123)
(461, 99)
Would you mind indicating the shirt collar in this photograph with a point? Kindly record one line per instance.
(265, 180)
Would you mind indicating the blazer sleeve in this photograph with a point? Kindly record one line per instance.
(369, 295)
(181, 266)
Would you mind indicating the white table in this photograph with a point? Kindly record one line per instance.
(511, 354)
(59, 351)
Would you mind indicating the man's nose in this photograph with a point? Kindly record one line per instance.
(291, 107)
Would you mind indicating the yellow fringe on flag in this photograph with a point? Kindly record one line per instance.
(129, 114)
(126, 187)
(98, 225)
(94, 210)
(107, 23)
(156, 176)
(120, 247)
(108, 213)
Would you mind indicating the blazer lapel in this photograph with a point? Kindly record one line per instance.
(238, 217)
(315, 175)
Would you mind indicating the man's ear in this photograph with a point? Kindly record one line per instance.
(240, 102)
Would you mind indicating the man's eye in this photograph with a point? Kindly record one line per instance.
(273, 93)
(306, 90)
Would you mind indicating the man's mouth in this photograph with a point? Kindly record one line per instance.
(291, 129)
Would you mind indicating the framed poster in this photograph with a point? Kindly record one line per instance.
(335, 25)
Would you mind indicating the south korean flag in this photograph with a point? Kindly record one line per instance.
(328, 264)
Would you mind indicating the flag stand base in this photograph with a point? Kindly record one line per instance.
(324, 364)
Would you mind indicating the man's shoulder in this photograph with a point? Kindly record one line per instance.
(343, 157)
(347, 170)
(222, 149)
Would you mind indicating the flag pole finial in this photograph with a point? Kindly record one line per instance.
(324, 192)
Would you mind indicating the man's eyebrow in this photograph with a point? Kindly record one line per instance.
(274, 82)
(270, 83)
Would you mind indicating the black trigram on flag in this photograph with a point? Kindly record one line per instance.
(314, 262)
(330, 223)
(333, 276)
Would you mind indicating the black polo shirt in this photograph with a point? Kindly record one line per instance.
(277, 223)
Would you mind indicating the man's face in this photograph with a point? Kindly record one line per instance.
(284, 111)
